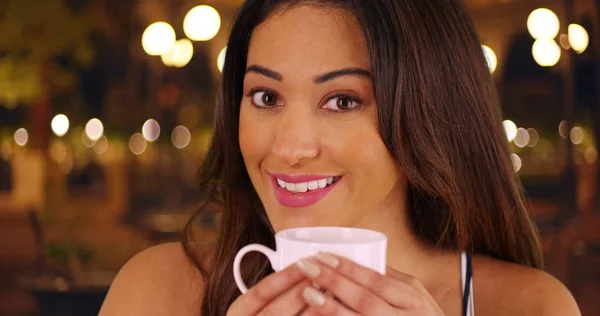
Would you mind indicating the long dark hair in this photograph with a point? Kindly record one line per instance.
(438, 116)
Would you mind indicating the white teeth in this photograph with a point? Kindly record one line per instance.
(290, 187)
(322, 183)
(302, 187)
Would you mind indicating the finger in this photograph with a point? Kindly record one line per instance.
(267, 289)
(396, 288)
(308, 311)
(354, 295)
(321, 304)
(289, 303)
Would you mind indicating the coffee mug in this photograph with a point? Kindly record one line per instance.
(363, 246)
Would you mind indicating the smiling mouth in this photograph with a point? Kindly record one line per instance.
(298, 191)
(303, 187)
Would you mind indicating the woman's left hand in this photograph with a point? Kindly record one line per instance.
(356, 290)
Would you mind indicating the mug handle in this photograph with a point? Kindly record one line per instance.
(271, 254)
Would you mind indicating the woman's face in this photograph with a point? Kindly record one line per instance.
(308, 124)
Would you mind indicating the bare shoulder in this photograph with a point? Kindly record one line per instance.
(160, 280)
(503, 288)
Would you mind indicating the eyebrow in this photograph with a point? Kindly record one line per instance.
(318, 79)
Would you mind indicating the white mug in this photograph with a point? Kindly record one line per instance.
(365, 247)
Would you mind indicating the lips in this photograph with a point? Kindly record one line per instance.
(302, 190)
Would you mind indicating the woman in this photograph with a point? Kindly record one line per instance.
(389, 102)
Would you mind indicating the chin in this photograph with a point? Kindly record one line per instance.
(300, 220)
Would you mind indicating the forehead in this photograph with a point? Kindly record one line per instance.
(309, 39)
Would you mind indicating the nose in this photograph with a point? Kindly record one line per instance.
(296, 139)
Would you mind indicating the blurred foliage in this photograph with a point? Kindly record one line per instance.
(62, 251)
(42, 45)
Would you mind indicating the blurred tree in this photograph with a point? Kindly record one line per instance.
(43, 44)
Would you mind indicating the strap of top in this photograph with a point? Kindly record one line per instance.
(467, 284)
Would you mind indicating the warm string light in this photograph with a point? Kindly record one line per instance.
(543, 25)
(60, 125)
(201, 23)
(158, 38)
(510, 129)
(546, 52)
(221, 59)
(578, 38)
(181, 137)
(94, 129)
(517, 162)
(137, 144)
(490, 57)
(21, 137)
(151, 130)
(180, 54)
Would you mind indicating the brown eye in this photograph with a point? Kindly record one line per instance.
(342, 104)
(264, 99)
(269, 99)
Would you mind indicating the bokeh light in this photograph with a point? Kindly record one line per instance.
(563, 40)
(180, 54)
(151, 130)
(522, 137)
(562, 130)
(202, 23)
(510, 128)
(101, 145)
(542, 23)
(60, 125)
(490, 57)
(158, 38)
(534, 137)
(137, 144)
(578, 38)
(546, 52)
(517, 163)
(87, 142)
(94, 129)
(221, 59)
(21, 137)
(577, 135)
(180, 137)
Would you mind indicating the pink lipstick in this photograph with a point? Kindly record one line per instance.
(308, 189)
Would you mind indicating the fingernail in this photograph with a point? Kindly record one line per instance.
(309, 268)
(328, 260)
(313, 297)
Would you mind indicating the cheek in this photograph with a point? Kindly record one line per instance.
(246, 133)
(253, 141)
(374, 172)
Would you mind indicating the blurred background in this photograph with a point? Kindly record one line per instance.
(106, 110)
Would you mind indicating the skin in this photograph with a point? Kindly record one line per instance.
(293, 125)
(307, 132)
(303, 134)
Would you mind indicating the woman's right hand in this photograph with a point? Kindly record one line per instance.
(278, 294)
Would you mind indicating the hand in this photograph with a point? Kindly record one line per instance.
(277, 294)
(361, 291)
